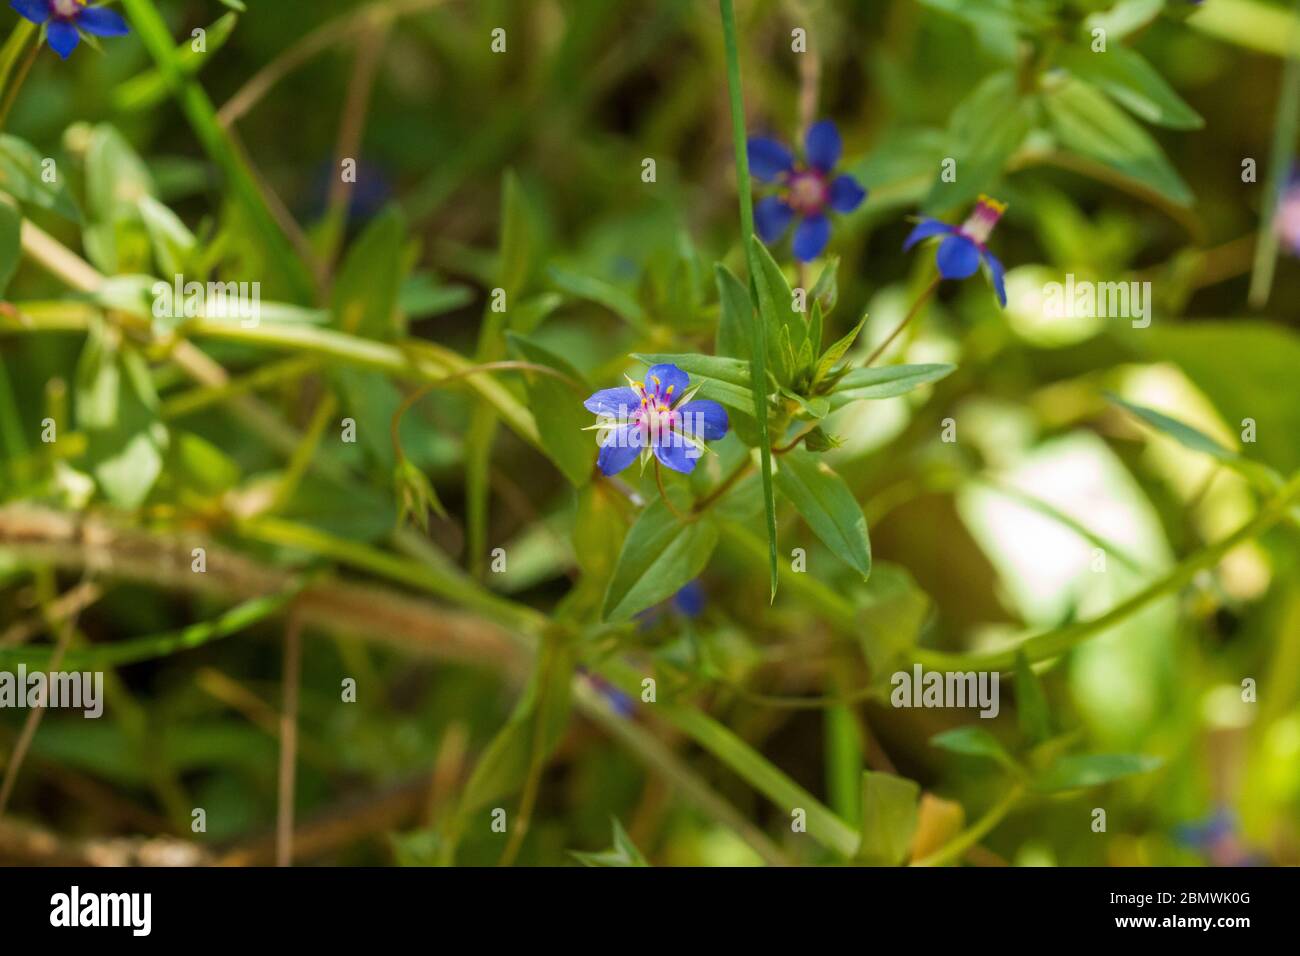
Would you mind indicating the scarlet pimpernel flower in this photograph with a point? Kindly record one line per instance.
(66, 20)
(658, 416)
(964, 247)
(806, 190)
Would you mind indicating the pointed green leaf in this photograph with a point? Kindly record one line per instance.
(886, 381)
(1133, 82)
(828, 506)
(1091, 770)
(1089, 124)
(974, 742)
(660, 555)
(735, 318)
(1032, 715)
(557, 406)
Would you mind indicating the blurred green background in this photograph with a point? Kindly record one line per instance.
(523, 170)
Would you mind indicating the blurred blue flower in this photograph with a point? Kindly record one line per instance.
(657, 415)
(1287, 220)
(690, 600)
(963, 247)
(621, 703)
(805, 189)
(1218, 837)
(64, 20)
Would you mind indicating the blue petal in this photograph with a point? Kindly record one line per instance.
(958, 257)
(768, 158)
(677, 453)
(619, 448)
(924, 230)
(63, 37)
(771, 218)
(667, 381)
(616, 402)
(821, 147)
(704, 418)
(102, 22)
(996, 273)
(846, 194)
(811, 238)
(38, 11)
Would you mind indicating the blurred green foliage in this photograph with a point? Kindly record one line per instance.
(392, 454)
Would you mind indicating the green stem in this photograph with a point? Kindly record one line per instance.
(11, 87)
(911, 314)
(758, 353)
(1052, 643)
(1285, 123)
(202, 116)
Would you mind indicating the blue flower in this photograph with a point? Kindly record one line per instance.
(963, 247)
(690, 599)
(805, 189)
(655, 416)
(65, 19)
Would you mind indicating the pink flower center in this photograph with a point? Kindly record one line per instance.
(66, 9)
(979, 224)
(808, 192)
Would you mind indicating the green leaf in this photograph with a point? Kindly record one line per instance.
(1089, 124)
(11, 227)
(1134, 83)
(974, 742)
(831, 357)
(826, 290)
(1032, 715)
(423, 296)
(828, 506)
(1247, 369)
(886, 381)
(516, 238)
(786, 330)
(889, 615)
(557, 407)
(117, 408)
(173, 243)
(532, 732)
(983, 131)
(623, 853)
(1197, 440)
(601, 292)
(372, 399)
(734, 321)
(889, 813)
(1091, 770)
(660, 555)
(1124, 18)
(22, 175)
(756, 254)
(365, 294)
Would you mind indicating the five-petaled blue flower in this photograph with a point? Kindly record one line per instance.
(963, 247)
(806, 189)
(65, 19)
(656, 416)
